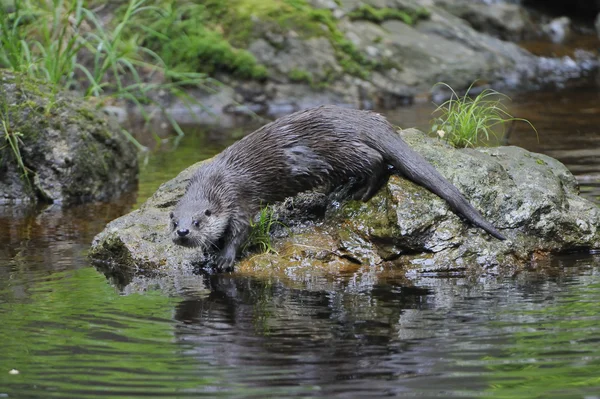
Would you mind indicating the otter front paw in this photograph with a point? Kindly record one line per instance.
(226, 260)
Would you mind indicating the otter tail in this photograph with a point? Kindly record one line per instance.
(414, 167)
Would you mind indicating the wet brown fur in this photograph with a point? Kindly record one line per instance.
(325, 147)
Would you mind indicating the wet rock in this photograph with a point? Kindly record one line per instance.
(71, 152)
(533, 200)
(558, 30)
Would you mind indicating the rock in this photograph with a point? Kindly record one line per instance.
(327, 4)
(292, 58)
(352, 58)
(502, 20)
(532, 198)
(72, 153)
(559, 29)
(116, 112)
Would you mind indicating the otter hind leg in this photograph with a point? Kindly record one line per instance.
(366, 188)
(375, 184)
(369, 171)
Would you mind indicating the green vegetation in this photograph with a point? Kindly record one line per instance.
(172, 42)
(66, 44)
(464, 121)
(379, 15)
(12, 140)
(211, 35)
(260, 231)
(300, 75)
(186, 38)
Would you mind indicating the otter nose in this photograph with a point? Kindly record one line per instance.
(183, 232)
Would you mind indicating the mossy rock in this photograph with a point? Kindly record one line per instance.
(534, 204)
(63, 150)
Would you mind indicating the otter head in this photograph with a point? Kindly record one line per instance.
(197, 224)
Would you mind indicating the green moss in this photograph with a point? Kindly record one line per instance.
(87, 114)
(211, 36)
(202, 37)
(378, 15)
(300, 75)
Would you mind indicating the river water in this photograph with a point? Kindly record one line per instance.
(65, 332)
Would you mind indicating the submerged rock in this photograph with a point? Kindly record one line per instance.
(532, 198)
(70, 152)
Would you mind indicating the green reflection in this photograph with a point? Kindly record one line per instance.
(75, 336)
(554, 351)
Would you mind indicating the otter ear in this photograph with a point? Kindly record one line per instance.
(171, 215)
(207, 212)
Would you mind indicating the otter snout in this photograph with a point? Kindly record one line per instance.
(183, 232)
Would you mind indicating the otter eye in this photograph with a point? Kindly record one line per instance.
(196, 223)
(175, 224)
(207, 212)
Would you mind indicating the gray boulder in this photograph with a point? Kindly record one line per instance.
(70, 152)
(533, 199)
(503, 20)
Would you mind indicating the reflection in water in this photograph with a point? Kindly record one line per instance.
(37, 241)
(74, 336)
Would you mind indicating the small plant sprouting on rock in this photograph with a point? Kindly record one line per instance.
(13, 140)
(260, 229)
(464, 121)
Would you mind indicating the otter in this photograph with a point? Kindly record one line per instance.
(320, 148)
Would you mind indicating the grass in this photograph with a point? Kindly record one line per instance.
(260, 231)
(465, 121)
(67, 45)
(12, 139)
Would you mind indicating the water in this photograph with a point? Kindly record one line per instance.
(70, 334)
